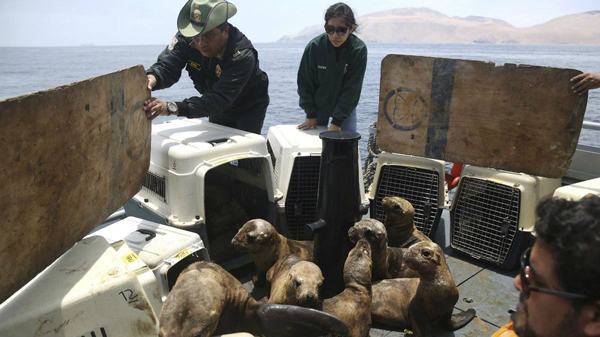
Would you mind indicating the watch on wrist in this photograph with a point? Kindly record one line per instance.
(172, 108)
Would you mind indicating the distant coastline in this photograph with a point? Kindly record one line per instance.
(423, 25)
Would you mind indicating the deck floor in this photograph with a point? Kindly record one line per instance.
(482, 286)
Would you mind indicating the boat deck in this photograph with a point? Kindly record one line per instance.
(482, 286)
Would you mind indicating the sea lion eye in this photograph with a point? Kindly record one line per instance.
(251, 238)
(297, 283)
(426, 252)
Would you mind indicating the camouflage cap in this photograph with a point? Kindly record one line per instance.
(201, 16)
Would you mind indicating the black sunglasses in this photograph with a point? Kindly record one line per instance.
(527, 288)
(342, 30)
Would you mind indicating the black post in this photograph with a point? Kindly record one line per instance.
(338, 206)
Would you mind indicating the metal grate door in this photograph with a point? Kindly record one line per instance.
(418, 186)
(301, 200)
(485, 219)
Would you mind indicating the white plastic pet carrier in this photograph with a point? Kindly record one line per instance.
(94, 289)
(418, 180)
(209, 179)
(579, 190)
(296, 159)
(492, 211)
(164, 249)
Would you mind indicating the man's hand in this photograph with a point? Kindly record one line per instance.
(155, 107)
(333, 127)
(309, 123)
(585, 82)
(151, 82)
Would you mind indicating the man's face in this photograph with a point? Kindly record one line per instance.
(211, 43)
(544, 315)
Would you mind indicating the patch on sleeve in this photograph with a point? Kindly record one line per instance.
(236, 54)
(218, 70)
(194, 65)
(173, 43)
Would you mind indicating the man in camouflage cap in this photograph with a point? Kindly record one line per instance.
(221, 62)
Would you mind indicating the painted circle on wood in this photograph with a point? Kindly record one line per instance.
(404, 109)
(137, 132)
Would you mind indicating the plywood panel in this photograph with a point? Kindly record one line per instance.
(511, 117)
(71, 156)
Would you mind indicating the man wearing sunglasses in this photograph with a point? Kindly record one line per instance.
(221, 62)
(559, 279)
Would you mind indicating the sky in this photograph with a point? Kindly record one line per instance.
(154, 22)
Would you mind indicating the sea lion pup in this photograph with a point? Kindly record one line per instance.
(353, 305)
(417, 303)
(207, 300)
(387, 261)
(400, 224)
(259, 238)
(295, 281)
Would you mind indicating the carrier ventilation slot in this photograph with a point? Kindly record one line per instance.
(156, 186)
(301, 201)
(418, 186)
(485, 219)
(250, 165)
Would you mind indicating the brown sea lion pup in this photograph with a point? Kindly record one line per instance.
(420, 303)
(207, 300)
(353, 305)
(259, 238)
(387, 261)
(295, 281)
(400, 224)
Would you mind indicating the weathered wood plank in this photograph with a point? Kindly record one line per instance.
(71, 156)
(512, 117)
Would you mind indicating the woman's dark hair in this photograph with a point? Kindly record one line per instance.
(340, 10)
(571, 232)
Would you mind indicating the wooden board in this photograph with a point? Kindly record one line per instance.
(513, 117)
(71, 156)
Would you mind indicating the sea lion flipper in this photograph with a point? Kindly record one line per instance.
(461, 319)
(291, 321)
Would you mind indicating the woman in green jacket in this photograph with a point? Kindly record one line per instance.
(331, 73)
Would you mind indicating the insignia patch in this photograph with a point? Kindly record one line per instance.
(218, 70)
(173, 43)
(237, 53)
(197, 15)
(194, 65)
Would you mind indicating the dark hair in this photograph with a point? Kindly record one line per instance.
(340, 10)
(570, 230)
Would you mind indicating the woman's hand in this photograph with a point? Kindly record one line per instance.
(309, 123)
(333, 127)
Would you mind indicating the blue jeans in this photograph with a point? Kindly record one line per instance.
(348, 124)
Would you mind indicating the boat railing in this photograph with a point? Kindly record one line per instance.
(591, 125)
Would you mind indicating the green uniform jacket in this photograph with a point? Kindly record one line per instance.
(329, 86)
(232, 83)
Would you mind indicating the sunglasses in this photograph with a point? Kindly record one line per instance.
(342, 30)
(526, 278)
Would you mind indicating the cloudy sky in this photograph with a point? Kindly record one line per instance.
(145, 22)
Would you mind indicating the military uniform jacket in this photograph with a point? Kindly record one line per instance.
(230, 83)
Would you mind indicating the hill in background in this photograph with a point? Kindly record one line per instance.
(423, 25)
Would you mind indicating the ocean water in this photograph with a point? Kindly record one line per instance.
(25, 70)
